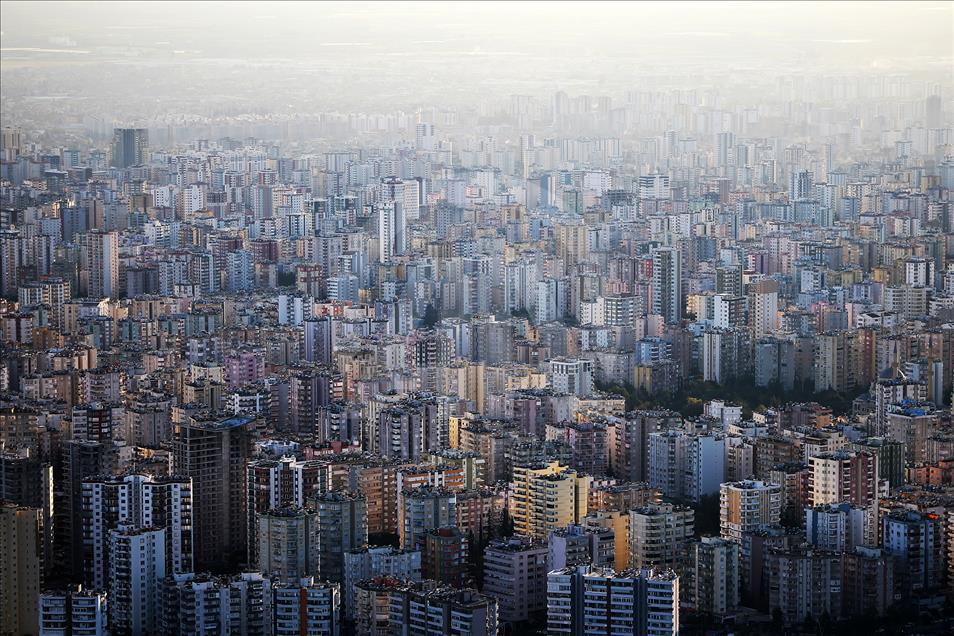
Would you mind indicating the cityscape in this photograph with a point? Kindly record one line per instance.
(476, 318)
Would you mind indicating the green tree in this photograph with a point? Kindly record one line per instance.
(506, 525)
(285, 278)
(475, 557)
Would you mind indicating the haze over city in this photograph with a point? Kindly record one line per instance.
(415, 318)
(156, 62)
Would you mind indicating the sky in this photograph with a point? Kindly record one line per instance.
(90, 64)
(849, 33)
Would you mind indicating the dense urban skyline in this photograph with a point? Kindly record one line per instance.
(476, 318)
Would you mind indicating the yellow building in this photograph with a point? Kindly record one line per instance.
(747, 505)
(572, 242)
(545, 497)
(465, 380)
(618, 522)
(20, 563)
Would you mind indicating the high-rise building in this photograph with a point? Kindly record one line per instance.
(377, 481)
(801, 185)
(405, 192)
(444, 556)
(803, 582)
(21, 570)
(96, 422)
(659, 535)
(890, 455)
(319, 339)
(667, 284)
(840, 527)
(309, 389)
(54, 292)
(27, 481)
(843, 476)
(582, 600)
(714, 578)
(99, 273)
(515, 573)
(11, 143)
(576, 544)
(147, 419)
(140, 501)
(214, 453)
(950, 549)
(572, 241)
(933, 111)
(279, 483)
(407, 429)
(306, 606)
(867, 581)
(420, 610)
(76, 612)
(342, 527)
(10, 257)
(616, 520)
(425, 508)
(654, 186)
(392, 230)
(725, 149)
(424, 136)
(375, 562)
(916, 540)
(288, 543)
(130, 147)
(685, 466)
(752, 558)
(546, 497)
(629, 457)
(571, 376)
(202, 604)
(239, 270)
(82, 459)
(705, 465)
(372, 605)
(912, 424)
(763, 310)
(746, 506)
(137, 567)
